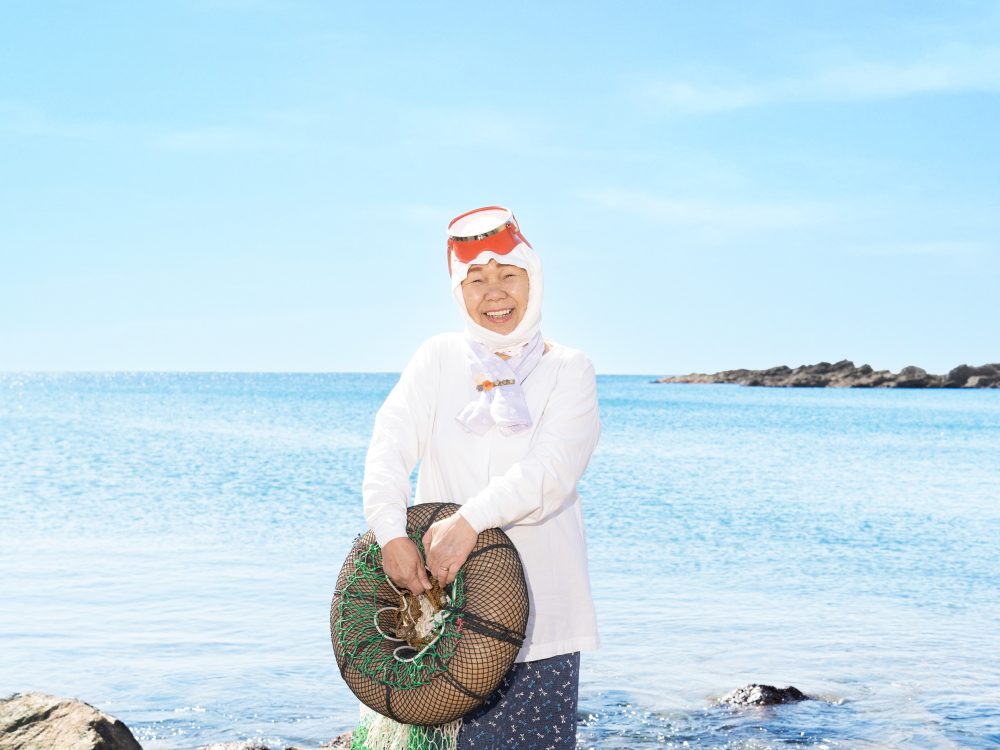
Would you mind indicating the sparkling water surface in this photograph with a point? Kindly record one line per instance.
(169, 544)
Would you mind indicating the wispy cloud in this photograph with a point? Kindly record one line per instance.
(943, 249)
(949, 70)
(211, 139)
(732, 217)
(272, 130)
(471, 128)
(22, 119)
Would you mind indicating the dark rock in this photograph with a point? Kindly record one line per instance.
(37, 721)
(911, 377)
(779, 370)
(912, 371)
(844, 374)
(982, 381)
(343, 742)
(959, 376)
(763, 695)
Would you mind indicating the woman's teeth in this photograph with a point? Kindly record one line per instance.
(496, 315)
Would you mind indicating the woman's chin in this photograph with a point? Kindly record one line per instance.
(502, 327)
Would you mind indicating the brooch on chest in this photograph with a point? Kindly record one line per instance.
(483, 383)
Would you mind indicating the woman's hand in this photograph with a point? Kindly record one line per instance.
(448, 543)
(403, 564)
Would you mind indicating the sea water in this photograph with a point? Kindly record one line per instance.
(169, 545)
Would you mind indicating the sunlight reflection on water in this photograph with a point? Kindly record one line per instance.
(170, 541)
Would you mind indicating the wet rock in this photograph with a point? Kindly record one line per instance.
(343, 742)
(912, 377)
(844, 374)
(38, 721)
(982, 381)
(963, 375)
(763, 695)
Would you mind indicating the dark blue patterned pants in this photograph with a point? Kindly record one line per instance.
(533, 709)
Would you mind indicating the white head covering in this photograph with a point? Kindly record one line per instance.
(502, 401)
(522, 256)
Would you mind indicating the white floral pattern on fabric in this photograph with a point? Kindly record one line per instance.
(533, 709)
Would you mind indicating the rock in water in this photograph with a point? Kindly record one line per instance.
(763, 695)
(36, 721)
(844, 374)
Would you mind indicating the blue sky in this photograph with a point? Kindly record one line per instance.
(240, 185)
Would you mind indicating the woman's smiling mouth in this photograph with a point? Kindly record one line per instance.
(500, 316)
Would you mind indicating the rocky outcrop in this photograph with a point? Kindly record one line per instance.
(844, 374)
(763, 695)
(37, 721)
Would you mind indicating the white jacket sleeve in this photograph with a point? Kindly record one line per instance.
(540, 483)
(399, 440)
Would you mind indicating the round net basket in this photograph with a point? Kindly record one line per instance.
(476, 633)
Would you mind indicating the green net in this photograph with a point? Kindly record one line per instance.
(478, 632)
(363, 602)
(375, 732)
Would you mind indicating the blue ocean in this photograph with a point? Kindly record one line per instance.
(169, 545)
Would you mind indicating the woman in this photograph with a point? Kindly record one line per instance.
(503, 423)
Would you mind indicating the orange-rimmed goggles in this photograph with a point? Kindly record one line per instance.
(500, 240)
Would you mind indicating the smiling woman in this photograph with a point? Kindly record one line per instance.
(503, 423)
(496, 295)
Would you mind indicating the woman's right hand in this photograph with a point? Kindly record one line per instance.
(404, 564)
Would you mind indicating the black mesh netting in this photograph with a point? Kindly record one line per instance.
(480, 637)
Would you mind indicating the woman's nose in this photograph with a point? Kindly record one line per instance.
(494, 290)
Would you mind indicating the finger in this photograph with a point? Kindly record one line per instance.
(412, 583)
(423, 580)
(443, 574)
(432, 561)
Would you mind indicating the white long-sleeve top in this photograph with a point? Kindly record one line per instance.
(524, 484)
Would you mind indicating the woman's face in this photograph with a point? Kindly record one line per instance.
(496, 295)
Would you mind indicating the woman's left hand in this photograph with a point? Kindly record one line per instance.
(448, 544)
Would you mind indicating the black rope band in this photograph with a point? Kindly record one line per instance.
(489, 628)
(388, 706)
(454, 682)
(487, 548)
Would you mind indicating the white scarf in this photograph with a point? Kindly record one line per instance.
(501, 403)
(501, 399)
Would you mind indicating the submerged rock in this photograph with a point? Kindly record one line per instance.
(38, 721)
(844, 374)
(343, 742)
(763, 695)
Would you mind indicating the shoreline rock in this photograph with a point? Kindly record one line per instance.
(763, 695)
(844, 374)
(39, 721)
